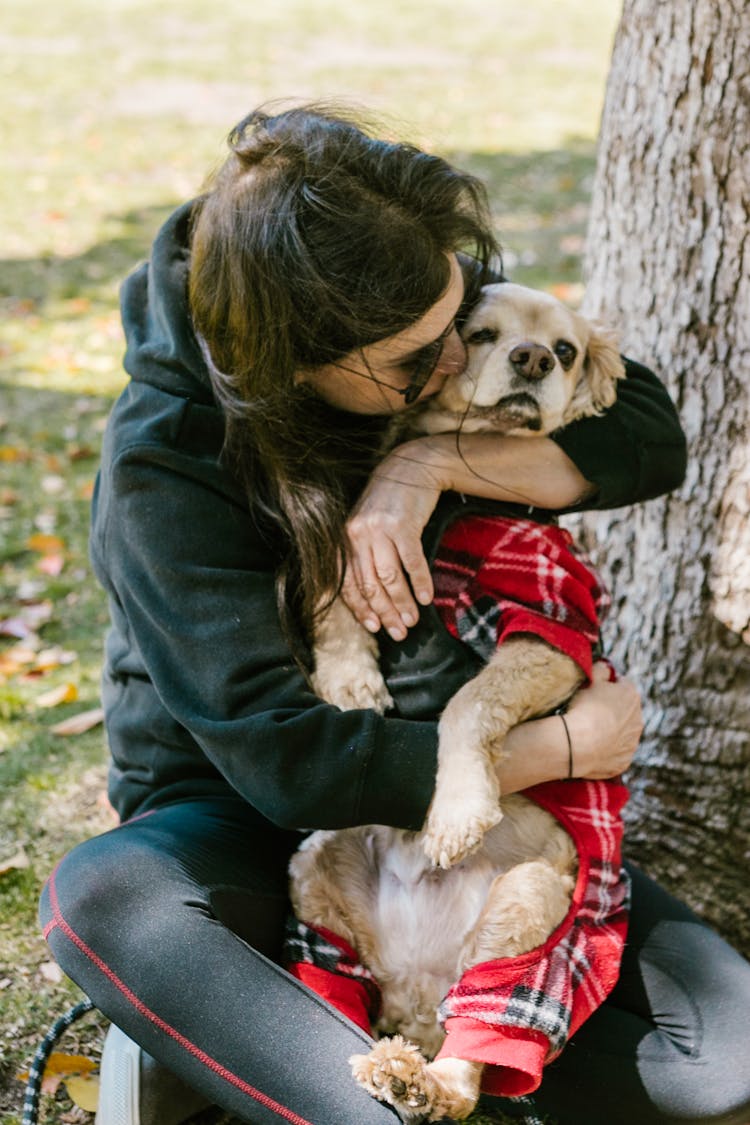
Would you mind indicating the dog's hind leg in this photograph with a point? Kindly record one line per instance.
(525, 677)
(523, 907)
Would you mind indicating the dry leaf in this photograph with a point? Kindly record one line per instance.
(13, 453)
(65, 693)
(51, 972)
(12, 661)
(15, 627)
(52, 484)
(51, 565)
(61, 1067)
(15, 863)
(50, 658)
(27, 620)
(45, 544)
(80, 723)
(84, 1091)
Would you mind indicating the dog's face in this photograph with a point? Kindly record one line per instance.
(533, 366)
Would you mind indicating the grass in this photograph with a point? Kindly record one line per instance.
(117, 111)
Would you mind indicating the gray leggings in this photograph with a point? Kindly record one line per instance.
(172, 924)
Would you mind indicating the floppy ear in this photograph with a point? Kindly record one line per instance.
(602, 367)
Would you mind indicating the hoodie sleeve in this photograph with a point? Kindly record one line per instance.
(198, 671)
(636, 450)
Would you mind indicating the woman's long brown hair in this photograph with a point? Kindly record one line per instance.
(314, 239)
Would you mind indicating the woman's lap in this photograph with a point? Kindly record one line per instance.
(172, 924)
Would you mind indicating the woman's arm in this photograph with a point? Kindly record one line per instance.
(633, 452)
(605, 724)
(386, 527)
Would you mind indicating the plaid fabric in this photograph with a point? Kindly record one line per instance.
(516, 1014)
(496, 576)
(326, 963)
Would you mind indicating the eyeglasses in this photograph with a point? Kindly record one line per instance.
(422, 368)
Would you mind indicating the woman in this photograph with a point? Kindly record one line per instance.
(315, 289)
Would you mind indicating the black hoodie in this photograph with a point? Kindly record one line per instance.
(200, 690)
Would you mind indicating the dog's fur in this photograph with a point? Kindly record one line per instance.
(502, 872)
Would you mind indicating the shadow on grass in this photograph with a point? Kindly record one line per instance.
(51, 277)
(539, 199)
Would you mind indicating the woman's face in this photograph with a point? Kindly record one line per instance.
(371, 380)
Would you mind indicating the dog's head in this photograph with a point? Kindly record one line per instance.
(533, 366)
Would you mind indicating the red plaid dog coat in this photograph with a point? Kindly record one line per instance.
(495, 577)
(514, 1014)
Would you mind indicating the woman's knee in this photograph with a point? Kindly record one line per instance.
(102, 889)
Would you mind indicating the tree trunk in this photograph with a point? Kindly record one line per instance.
(668, 262)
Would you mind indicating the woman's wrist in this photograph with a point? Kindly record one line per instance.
(534, 752)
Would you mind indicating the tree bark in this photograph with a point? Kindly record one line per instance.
(668, 262)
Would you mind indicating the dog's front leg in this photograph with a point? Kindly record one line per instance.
(524, 677)
(346, 672)
(397, 1073)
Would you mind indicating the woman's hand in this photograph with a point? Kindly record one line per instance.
(387, 573)
(385, 544)
(605, 724)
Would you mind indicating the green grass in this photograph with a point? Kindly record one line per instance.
(115, 111)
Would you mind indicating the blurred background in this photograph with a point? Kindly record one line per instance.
(115, 111)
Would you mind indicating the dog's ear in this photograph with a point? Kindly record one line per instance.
(597, 384)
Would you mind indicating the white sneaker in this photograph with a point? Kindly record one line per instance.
(134, 1089)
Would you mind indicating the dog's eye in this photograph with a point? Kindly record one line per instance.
(566, 353)
(482, 336)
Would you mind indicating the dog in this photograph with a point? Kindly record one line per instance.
(501, 869)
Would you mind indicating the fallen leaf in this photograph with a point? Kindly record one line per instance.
(84, 1091)
(60, 1067)
(65, 693)
(16, 862)
(80, 723)
(52, 565)
(14, 659)
(15, 627)
(45, 544)
(52, 484)
(51, 972)
(13, 453)
(50, 1083)
(50, 658)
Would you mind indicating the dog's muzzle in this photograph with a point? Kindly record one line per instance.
(512, 411)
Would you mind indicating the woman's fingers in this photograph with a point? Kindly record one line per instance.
(388, 576)
(377, 590)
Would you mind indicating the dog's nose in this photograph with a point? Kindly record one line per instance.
(532, 361)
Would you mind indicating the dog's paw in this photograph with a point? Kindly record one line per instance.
(452, 836)
(365, 692)
(396, 1072)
